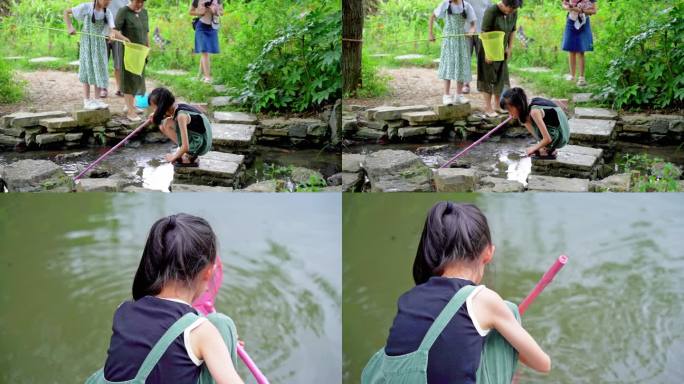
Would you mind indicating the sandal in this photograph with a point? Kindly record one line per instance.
(538, 156)
(193, 163)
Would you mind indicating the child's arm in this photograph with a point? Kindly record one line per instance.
(497, 315)
(208, 345)
(590, 10)
(183, 121)
(67, 19)
(118, 36)
(538, 118)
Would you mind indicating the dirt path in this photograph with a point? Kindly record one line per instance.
(419, 85)
(59, 91)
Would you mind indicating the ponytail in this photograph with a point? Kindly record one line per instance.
(164, 100)
(515, 97)
(452, 233)
(92, 16)
(178, 248)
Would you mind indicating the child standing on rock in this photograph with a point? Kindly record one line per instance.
(158, 337)
(543, 118)
(438, 334)
(184, 124)
(454, 61)
(98, 22)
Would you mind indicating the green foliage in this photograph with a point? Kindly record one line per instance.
(300, 67)
(297, 40)
(650, 70)
(274, 171)
(314, 184)
(650, 174)
(10, 89)
(373, 84)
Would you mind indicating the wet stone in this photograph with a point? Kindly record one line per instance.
(417, 118)
(364, 133)
(408, 132)
(455, 180)
(10, 141)
(352, 162)
(235, 118)
(595, 113)
(614, 183)
(397, 171)
(36, 176)
(198, 188)
(263, 186)
(556, 184)
(15, 132)
(301, 175)
(233, 137)
(571, 161)
(351, 182)
(110, 184)
(215, 169)
(499, 185)
(591, 131)
(46, 139)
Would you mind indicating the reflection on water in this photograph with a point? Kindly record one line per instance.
(614, 314)
(62, 278)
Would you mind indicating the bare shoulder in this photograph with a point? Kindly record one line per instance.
(490, 300)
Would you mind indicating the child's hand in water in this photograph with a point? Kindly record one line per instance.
(170, 157)
(530, 151)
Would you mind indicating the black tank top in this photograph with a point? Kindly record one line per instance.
(137, 327)
(196, 121)
(455, 356)
(550, 116)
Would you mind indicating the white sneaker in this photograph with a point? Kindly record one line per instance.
(447, 100)
(581, 82)
(569, 77)
(460, 99)
(100, 104)
(90, 104)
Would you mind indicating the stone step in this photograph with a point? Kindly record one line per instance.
(595, 113)
(215, 169)
(49, 139)
(419, 118)
(58, 124)
(538, 183)
(591, 130)
(392, 113)
(233, 137)
(28, 119)
(453, 112)
(571, 161)
(86, 117)
(235, 118)
(221, 101)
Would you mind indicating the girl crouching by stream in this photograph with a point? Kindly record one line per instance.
(184, 124)
(158, 337)
(543, 118)
(440, 332)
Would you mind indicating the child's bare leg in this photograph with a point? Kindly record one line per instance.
(99, 92)
(487, 102)
(117, 78)
(86, 91)
(208, 65)
(447, 86)
(204, 63)
(169, 130)
(580, 56)
(573, 64)
(459, 87)
(130, 103)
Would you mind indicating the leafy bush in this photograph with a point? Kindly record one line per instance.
(650, 70)
(650, 174)
(10, 90)
(300, 67)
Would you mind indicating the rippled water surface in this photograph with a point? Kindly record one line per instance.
(67, 261)
(614, 314)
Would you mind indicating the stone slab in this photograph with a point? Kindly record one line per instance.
(392, 113)
(407, 132)
(454, 179)
(397, 171)
(85, 117)
(352, 162)
(595, 113)
(28, 119)
(540, 183)
(198, 188)
(590, 130)
(233, 136)
(49, 138)
(215, 169)
(453, 112)
(58, 124)
(417, 118)
(36, 176)
(235, 118)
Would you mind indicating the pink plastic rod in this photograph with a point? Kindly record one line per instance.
(114, 148)
(205, 304)
(545, 280)
(481, 139)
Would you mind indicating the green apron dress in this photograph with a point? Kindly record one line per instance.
(497, 361)
(560, 135)
(135, 27)
(199, 143)
(454, 61)
(493, 78)
(93, 54)
(223, 323)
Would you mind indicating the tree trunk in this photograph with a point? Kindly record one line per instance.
(352, 28)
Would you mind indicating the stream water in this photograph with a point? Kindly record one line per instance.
(614, 314)
(67, 261)
(144, 163)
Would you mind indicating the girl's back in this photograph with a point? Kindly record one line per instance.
(137, 326)
(455, 356)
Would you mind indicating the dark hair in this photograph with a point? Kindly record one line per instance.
(464, 14)
(515, 97)
(452, 232)
(163, 99)
(178, 248)
(513, 3)
(92, 17)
